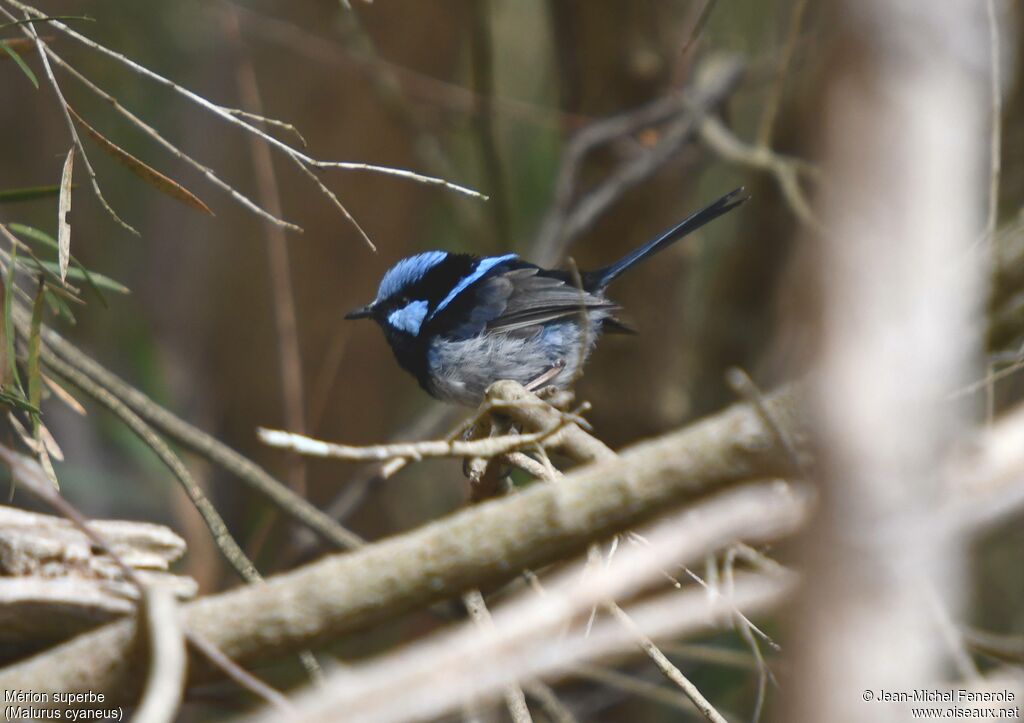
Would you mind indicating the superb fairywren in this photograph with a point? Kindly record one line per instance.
(459, 322)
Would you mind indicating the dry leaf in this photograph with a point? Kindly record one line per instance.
(23, 45)
(47, 465)
(26, 437)
(63, 209)
(148, 174)
(50, 443)
(64, 395)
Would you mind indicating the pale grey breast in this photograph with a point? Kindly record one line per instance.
(462, 369)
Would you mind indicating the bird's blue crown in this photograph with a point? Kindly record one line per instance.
(408, 272)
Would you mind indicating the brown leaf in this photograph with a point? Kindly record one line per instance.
(24, 45)
(63, 394)
(63, 209)
(148, 174)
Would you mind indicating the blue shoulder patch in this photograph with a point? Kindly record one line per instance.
(409, 318)
(407, 272)
(482, 267)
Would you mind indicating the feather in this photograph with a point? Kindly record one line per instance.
(521, 299)
(539, 297)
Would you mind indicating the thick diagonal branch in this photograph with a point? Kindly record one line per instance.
(490, 542)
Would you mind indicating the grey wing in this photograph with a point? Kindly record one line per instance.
(532, 299)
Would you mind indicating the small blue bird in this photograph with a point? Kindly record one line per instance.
(459, 323)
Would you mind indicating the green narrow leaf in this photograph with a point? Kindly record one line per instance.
(12, 362)
(30, 193)
(80, 273)
(34, 381)
(16, 401)
(51, 300)
(60, 307)
(63, 209)
(46, 19)
(32, 265)
(89, 276)
(21, 64)
(34, 233)
(5, 371)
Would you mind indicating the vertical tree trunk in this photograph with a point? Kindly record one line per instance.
(900, 288)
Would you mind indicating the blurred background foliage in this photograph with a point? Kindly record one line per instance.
(485, 93)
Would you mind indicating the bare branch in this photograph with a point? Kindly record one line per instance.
(153, 133)
(515, 700)
(436, 673)
(472, 547)
(56, 348)
(165, 682)
(30, 32)
(399, 173)
(489, 447)
(666, 666)
(232, 116)
(682, 113)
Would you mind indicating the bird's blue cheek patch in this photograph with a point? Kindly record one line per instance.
(409, 318)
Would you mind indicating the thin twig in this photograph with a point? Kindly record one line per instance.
(698, 26)
(239, 674)
(165, 683)
(564, 219)
(170, 147)
(744, 386)
(515, 700)
(529, 465)
(667, 668)
(288, 127)
(29, 30)
(489, 447)
(232, 552)
(202, 443)
(786, 171)
(397, 172)
(556, 710)
(232, 116)
(991, 376)
(34, 479)
(634, 686)
(333, 197)
(747, 630)
(711, 655)
(227, 544)
(305, 161)
(771, 107)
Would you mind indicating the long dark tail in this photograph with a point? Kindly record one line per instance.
(599, 278)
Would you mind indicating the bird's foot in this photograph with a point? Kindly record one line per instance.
(557, 398)
(540, 381)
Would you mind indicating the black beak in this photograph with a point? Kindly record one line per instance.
(362, 312)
